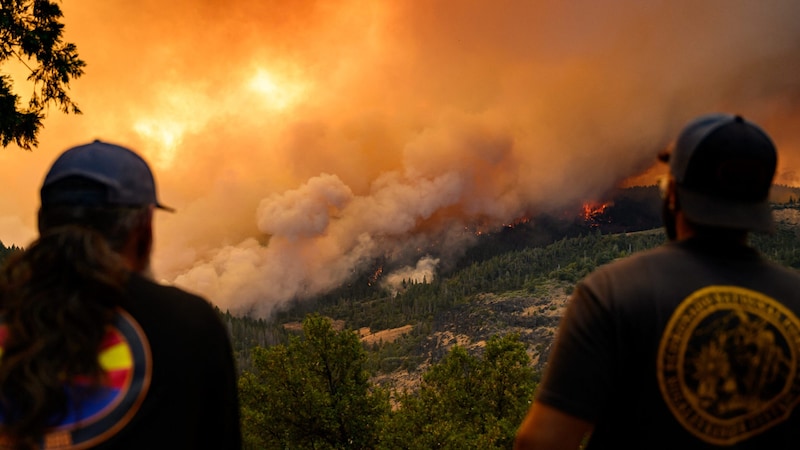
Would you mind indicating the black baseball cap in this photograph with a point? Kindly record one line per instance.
(100, 174)
(723, 166)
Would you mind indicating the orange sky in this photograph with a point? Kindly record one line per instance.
(300, 140)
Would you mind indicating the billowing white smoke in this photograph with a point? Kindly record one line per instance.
(423, 272)
(320, 235)
(305, 212)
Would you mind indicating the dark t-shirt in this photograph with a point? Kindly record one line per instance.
(690, 345)
(171, 379)
(192, 401)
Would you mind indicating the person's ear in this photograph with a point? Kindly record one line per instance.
(140, 242)
(145, 236)
(669, 194)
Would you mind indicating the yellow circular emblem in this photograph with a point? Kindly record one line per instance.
(728, 363)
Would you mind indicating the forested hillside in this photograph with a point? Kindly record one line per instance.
(520, 290)
(6, 251)
(463, 364)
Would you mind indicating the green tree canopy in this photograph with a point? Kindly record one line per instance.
(31, 32)
(467, 402)
(313, 393)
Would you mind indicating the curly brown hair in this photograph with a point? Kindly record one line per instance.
(56, 299)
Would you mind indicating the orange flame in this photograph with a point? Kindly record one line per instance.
(591, 210)
(375, 276)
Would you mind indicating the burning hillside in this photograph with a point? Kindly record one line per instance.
(307, 139)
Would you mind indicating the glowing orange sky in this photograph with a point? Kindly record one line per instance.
(338, 132)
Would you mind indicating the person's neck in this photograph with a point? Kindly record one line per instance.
(687, 230)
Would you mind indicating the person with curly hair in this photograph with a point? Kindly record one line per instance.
(95, 354)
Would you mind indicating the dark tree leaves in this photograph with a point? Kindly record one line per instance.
(31, 32)
(313, 393)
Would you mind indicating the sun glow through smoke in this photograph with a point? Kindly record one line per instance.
(185, 109)
(279, 94)
(166, 134)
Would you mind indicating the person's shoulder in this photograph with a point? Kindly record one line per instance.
(641, 259)
(786, 272)
(139, 282)
(170, 300)
(162, 310)
(634, 271)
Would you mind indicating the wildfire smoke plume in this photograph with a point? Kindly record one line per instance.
(301, 141)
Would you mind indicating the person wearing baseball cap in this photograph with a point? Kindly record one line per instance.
(121, 177)
(93, 352)
(721, 168)
(696, 343)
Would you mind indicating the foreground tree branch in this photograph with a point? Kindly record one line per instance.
(32, 33)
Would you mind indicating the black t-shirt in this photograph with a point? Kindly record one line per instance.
(690, 345)
(192, 401)
(171, 380)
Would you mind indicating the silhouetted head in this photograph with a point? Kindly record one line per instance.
(107, 188)
(721, 169)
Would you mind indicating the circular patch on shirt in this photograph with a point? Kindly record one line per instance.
(98, 412)
(728, 363)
